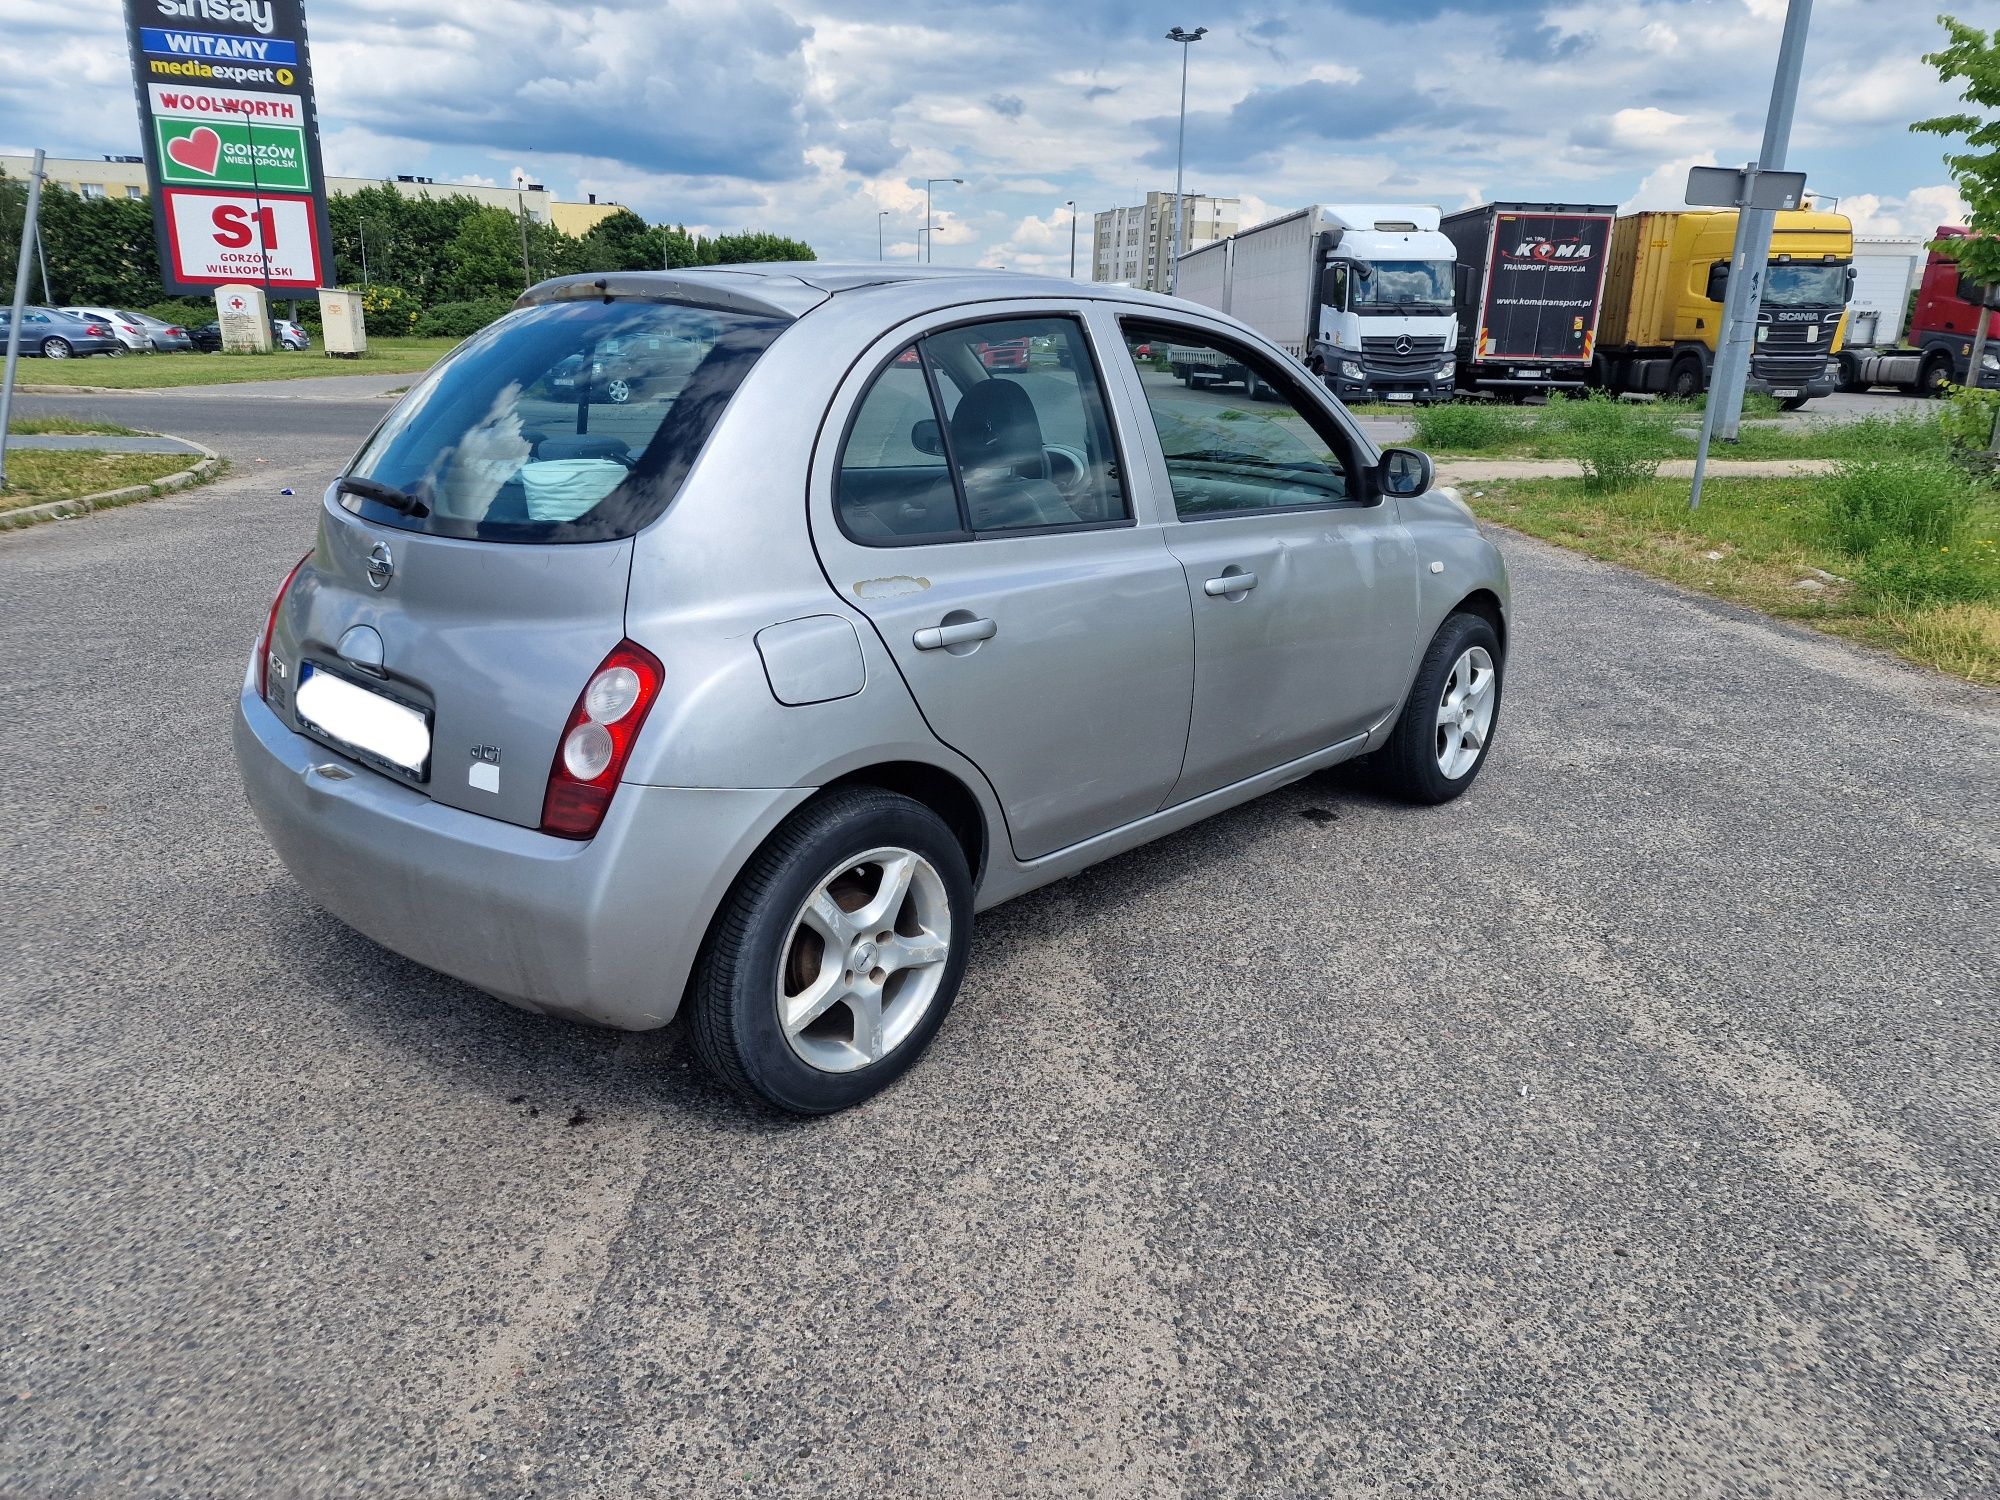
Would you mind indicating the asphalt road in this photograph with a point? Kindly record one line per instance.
(1625, 1129)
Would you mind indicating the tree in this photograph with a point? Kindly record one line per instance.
(752, 245)
(1972, 57)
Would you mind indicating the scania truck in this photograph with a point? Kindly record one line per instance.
(1663, 304)
(1360, 293)
(1529, 283)
(1937, 350)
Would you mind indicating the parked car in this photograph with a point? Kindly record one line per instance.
(54, 334)
(744, 706)
(167, 338)
(1011, 354)
(124, 327)
(208, 337)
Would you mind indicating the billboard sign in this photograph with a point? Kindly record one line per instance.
(226, 116)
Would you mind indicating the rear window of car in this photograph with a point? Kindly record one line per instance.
(563, 422)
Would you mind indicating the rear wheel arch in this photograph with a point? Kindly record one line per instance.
(939, 790)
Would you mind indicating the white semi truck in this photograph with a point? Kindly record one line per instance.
(1360, 293)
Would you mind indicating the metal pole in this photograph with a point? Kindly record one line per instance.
(29, 229)
(527, 276)
(1753, 231)
(362, 230)
(880, 215)
(928, 223)
(1741, 275)
(42, 258)
(1072, 239)
(1180, 158)
(1973, 368)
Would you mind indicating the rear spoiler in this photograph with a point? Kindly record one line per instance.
(727, 291)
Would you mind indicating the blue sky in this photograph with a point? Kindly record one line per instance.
(810, 118)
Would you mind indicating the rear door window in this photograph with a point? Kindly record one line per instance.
(564, 422)
(979, 430)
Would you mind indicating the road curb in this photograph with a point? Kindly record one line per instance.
(70, 390)
(83, 505)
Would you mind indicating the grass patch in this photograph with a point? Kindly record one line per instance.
(66, 427)
(36, 476)
(1778, 545)
(164, 371)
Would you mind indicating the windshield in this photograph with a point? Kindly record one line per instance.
(565, 422)
(1402, 286)
(1805, 286)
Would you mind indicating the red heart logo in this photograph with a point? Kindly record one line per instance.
(198, 151)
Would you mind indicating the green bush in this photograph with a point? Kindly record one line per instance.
(1966, 423)
(1614, 460)
(1463, 427)
(458, 320)
(1917, 501)
(1900, 573)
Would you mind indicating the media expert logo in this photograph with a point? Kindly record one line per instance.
(212, 73)
(1536, 249)
(256, 14)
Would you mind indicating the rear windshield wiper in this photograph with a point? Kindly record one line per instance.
(383, 494)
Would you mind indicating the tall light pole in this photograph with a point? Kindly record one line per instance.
(1071, 206)
(929, 183)
(361, 229)
(879, 217)
(1186, 39)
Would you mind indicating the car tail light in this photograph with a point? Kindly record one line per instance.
(98, 329)
(178, 333)
(271, 629)
(598, 739)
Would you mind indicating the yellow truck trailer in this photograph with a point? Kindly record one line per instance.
(1663, 304)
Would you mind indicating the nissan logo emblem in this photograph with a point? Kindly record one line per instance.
(381, 566)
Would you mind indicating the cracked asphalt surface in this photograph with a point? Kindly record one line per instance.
(1626, 1128)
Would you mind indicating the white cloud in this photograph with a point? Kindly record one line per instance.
(1917, 212)
(1665, 186)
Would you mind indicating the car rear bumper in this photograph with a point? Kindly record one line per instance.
(605, 931)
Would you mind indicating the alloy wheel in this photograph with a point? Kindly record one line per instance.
(620, 391)
(1465, 712)
(55, 348)
(864, 960)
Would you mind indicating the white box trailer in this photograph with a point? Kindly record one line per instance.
(1886, 271)
(1360, 293)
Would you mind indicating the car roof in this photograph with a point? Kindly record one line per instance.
(794, 288)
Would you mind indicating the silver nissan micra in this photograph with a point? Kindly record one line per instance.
(725, 638)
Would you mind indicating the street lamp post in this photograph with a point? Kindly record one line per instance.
(1071, 206)
(361, 229)
(879, 217)
(1186, 39)
(929, 183)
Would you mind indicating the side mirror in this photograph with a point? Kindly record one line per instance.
(1718, 281)
(1405, 472)
(925, 437)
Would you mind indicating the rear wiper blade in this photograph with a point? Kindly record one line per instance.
(383, 494)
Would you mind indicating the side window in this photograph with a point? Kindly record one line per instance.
(1334, 294)
(894, 484)
(1227, 450)
(1011, 411)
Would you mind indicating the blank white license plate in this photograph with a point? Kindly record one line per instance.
(368, 721)
(1402, 395)
(1786, 394)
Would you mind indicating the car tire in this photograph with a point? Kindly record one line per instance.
(1429, 760)
(1934, 375)
(53, 348)
(1684, 379)
(617, 391)
(116, 351)
(781, 1017)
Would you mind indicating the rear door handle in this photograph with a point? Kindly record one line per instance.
(934, 637)
(1231, 583)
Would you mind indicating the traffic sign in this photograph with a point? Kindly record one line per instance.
(1744, 187)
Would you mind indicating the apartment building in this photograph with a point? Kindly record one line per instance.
(1131, 245)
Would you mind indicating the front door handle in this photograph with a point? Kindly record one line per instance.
(1231, 583)
(964, 633)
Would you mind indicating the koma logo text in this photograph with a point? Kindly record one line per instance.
(1549, 250)
(256, 14)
